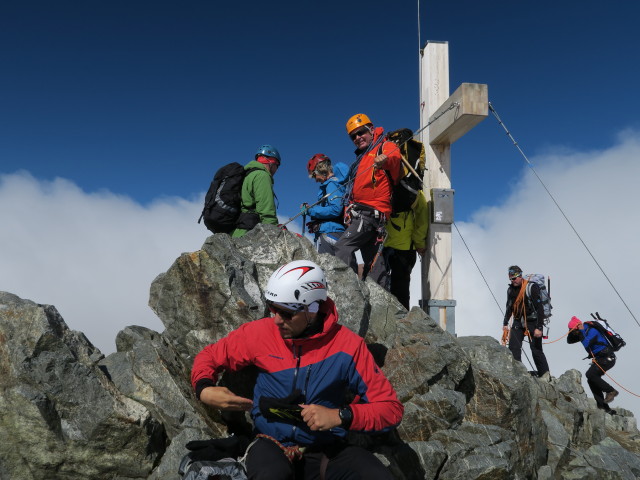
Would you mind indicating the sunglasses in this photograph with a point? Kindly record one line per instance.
(359, 133)
(284, 314)
(513, 277)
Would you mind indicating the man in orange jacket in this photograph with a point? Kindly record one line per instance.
(370, 182)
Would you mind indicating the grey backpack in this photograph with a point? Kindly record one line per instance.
(223, 469)
(218, 458)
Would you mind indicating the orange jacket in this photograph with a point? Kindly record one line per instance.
(372, 187)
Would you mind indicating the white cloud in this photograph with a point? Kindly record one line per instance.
(92, 255)
(599, 193)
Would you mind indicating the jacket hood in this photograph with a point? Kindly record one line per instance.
(340, 172)
(329, 325)
(328, 307)
(256, 164)
(377, 133)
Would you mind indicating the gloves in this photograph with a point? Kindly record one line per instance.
(218, 448)
(313, 227)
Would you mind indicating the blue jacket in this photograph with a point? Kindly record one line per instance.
(592, 340)
(329, 211)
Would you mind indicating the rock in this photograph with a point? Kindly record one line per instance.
(61, 417)
(471, 410)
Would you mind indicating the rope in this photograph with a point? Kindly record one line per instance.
(397, 146)
(419, 46)
(554, 341)
(292, 453)
(402, 144)
(505, 333)
(478, 267)
(612, 379)
(495, 114)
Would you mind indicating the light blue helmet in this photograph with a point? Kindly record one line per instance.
(269, 151)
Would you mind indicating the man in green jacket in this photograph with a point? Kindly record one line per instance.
(258, 199)
(406, 235)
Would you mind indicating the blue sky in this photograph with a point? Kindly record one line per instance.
(147, 99)
(115, 115)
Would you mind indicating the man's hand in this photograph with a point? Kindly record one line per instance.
(421, 251)
(537, 333)
(320, 418)
(224, 399)
(505, 328)
(379, 161)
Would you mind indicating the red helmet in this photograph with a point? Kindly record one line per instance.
(313, 163)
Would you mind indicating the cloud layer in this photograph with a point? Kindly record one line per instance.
(94, 255)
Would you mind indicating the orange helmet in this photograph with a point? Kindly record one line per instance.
(313, 163)
(358, 120)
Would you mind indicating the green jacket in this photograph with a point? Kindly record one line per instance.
(258, 196)
(408, 230)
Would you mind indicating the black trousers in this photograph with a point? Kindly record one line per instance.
(401, 263)
(595, 381)
(266, 461)
(516, 337)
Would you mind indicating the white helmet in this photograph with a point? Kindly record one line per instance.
(299, 282)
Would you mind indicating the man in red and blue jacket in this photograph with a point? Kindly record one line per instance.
(307, 363)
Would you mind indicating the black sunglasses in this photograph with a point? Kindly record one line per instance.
(359, 133)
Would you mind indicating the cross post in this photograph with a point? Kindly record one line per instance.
(470, 106)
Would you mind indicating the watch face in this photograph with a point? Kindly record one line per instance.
(345, 414)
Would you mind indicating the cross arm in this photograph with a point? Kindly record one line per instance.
(472, 108)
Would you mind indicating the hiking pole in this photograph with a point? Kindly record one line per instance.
(304, 217)
(324, 197)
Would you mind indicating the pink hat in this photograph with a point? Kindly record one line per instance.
(573, 323)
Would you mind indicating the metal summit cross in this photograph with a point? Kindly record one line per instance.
(449, 118)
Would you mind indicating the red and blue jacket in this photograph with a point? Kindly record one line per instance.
(323, 367)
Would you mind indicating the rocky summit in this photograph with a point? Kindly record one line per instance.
(471, 411)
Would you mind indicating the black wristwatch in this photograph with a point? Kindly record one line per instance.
(346, 416)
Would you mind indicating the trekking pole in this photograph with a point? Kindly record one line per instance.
(324, 197)
(304, 218)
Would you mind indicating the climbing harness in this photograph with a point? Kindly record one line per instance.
(352, 170)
